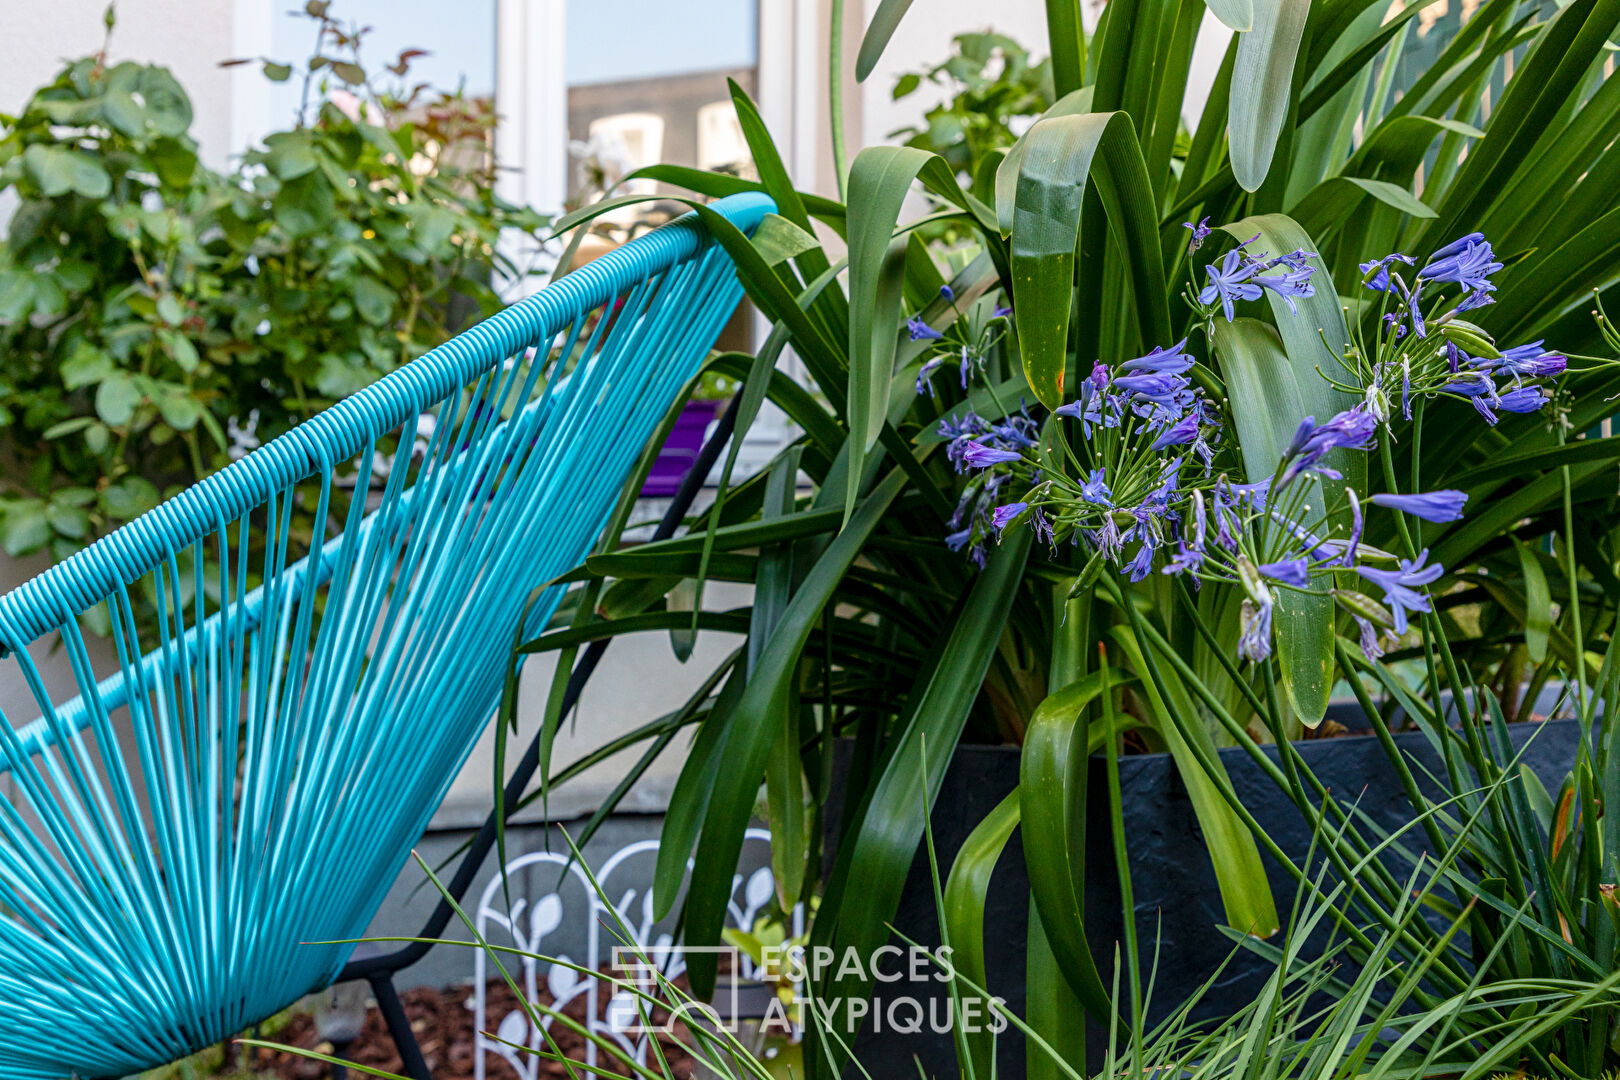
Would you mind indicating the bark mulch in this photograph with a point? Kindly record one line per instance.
(443, 1022)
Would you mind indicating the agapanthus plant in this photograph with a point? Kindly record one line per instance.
(1423, 346)
(962, 346)
(1136, 477)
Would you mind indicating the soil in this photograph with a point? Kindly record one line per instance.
(443, 1022)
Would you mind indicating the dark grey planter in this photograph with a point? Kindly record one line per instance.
(1173, 882)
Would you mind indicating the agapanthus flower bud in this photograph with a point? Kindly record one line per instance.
(1295, 572)
(1003, 515)
(979, 456)
(1163, 361)
(1436, 506)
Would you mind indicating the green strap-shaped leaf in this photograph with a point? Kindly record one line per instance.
(1062, 154)
(1274, 382)
(752, 729)
(1234, 14)
(1262, 86)
(863, 891)
(784, 774)
(1051, 788)
(878, 32)
(1334, 200)
(878, 182)
(1537, 603)
(1067, 38)
(965, 892)
(1070, 104)
(1054, 1013)
(1241, 877)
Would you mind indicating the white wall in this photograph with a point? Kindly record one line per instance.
(190, 37)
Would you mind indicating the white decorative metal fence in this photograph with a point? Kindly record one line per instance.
(544, 926)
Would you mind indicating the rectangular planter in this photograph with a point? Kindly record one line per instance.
(1173, 882)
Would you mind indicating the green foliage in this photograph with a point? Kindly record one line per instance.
(158, 318)
(992, 81)
(1077, 226)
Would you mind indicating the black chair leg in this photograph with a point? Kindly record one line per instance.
(399, 1027)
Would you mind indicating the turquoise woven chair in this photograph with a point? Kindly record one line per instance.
(252, 773)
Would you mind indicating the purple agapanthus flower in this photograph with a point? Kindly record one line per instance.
(1255, 642)
(1229, 282)
(1296, 260)
(1107, 537)
(1478, 298)
(1351, 429)
(1477, 387)
(1375, 274)
(1254, 494)
(1294, 283)
(1000, 312)
(1190, 553)
(1187, 559)
(1180, 433)
(1370, 648)
(1414, 308)
(1141, 566)
(1160, 389)
(1348, 557)
(1468, 261)
(1456, 247)
(1295, 572)
(1522, 399)
(946, 294)
(1162, 361)
(979, 456)
(1400, 586)
(921, 331)
(1528, 362)
(1096, 491)
(1393, 325)
(923, 383)
(1200, 233)
(1004, 514)
(1042, 524)
(1436, 506)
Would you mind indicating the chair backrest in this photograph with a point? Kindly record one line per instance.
(304, 648)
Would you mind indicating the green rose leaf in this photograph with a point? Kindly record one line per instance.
(116, 399)
(59, 170)
(374, 300)
(130, 497)
(24, 527)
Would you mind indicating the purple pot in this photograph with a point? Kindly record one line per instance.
(680, 449)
